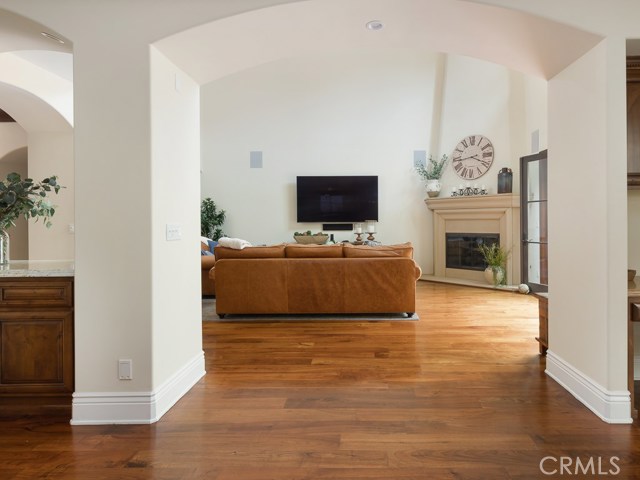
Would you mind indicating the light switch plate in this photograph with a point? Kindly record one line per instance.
(174, 232)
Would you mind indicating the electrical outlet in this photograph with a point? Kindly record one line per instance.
(174, 232)
(125, 369)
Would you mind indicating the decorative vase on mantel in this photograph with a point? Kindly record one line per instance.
(4, 247)
(433, 187)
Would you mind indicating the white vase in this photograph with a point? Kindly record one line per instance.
(494, 275)
(433, 187)
(4, 247)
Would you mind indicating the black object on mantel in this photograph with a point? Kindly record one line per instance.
(337, 226)
(505, 180)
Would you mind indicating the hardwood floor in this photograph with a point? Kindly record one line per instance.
(461, 394)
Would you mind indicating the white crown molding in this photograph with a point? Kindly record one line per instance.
(105, 408)
(610, 406)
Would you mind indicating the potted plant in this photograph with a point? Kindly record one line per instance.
(211, 220)
(431, 174)
(496, 259)
(25, 198)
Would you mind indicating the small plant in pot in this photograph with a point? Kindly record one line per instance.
(431, 174)
(24, 198)
(496, 259)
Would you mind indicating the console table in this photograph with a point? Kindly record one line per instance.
(543, 315)
(633, 315)
(36, 335)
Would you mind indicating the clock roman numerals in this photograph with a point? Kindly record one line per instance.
(472, 157)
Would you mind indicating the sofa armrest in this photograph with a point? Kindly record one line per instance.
(208, 262)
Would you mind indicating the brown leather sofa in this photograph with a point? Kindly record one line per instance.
(321, 279)
(207, 263)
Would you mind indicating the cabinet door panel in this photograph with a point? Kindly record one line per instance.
(31, 352)
(36, 352)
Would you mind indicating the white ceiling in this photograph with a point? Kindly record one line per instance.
(520, 41)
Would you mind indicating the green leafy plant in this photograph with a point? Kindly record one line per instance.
(496, 258)
(434, 169)
(211, 220)
(26, 198)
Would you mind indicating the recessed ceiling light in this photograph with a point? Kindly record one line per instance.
(375, 25)
(52, 37)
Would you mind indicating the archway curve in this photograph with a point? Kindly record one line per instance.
(30, 111)
(517, 40)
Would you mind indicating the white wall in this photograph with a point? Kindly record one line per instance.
(51, 153)
(350, 114)
(584, 234)
(346, 114)
(176, 296)
(12, 137)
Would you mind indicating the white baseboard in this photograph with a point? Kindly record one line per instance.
(100, 408)
(610, 406)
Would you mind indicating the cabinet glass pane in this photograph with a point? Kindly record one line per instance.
(536, 180)
(537, 222)
(534, 271)
(533, 180)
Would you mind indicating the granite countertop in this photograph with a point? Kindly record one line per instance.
(38, 268)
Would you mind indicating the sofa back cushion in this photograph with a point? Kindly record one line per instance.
(270, 251)
(365, 251)
(313, 251)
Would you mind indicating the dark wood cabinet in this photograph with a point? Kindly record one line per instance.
(36, 339)
(633, 122)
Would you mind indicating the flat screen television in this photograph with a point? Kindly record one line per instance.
(337, 198)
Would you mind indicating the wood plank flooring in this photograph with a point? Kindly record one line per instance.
(461, 394)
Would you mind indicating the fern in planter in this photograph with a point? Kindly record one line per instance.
(211, 219)
(496, 258)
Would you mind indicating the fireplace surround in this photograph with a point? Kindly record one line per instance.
(476, 216)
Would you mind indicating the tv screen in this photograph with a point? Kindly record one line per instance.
(337, 199)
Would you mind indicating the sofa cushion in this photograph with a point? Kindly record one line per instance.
(365, 251)
(205, 252)
(270, 251)
(313, 251)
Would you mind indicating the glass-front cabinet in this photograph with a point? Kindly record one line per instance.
(533, 212)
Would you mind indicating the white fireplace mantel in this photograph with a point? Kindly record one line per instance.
(476, 214)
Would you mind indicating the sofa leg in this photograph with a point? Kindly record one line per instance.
(410, 314)
(221, 315)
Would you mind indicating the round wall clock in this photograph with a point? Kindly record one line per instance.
(472, 157)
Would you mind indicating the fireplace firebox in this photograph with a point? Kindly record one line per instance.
(462, 249)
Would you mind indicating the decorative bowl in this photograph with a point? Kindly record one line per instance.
(311, 239)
